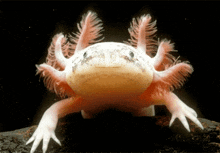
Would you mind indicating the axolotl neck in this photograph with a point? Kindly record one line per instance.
(109, 70)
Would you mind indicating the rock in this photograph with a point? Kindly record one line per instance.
(120, 132)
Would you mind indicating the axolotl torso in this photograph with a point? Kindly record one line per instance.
(111, 75)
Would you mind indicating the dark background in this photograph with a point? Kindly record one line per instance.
(26, 29)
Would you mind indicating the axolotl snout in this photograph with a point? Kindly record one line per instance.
(94, 76)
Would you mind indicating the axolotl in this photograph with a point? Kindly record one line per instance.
(93, 76)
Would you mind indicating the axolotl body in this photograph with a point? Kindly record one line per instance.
(95, 75)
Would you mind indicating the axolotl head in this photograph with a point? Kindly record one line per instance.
(109, 69)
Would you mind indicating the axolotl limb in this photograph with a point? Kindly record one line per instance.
(98, 75)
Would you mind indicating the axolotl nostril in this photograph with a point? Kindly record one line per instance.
(94, 75)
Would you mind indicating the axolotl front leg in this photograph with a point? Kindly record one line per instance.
(48, 123)
(178, 109)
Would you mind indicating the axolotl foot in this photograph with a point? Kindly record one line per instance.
(44, 131)
(180, 110)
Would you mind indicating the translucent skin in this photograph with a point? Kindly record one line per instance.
(103, 75)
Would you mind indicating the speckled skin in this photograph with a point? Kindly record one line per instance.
(92, 78)
(116, 52)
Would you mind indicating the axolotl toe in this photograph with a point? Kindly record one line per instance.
(93, 76)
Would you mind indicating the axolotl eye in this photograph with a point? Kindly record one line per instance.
(85, 55)
(131, 54)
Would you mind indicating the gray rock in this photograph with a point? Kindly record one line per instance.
(120, 132)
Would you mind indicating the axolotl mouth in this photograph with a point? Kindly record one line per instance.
(110, 70)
